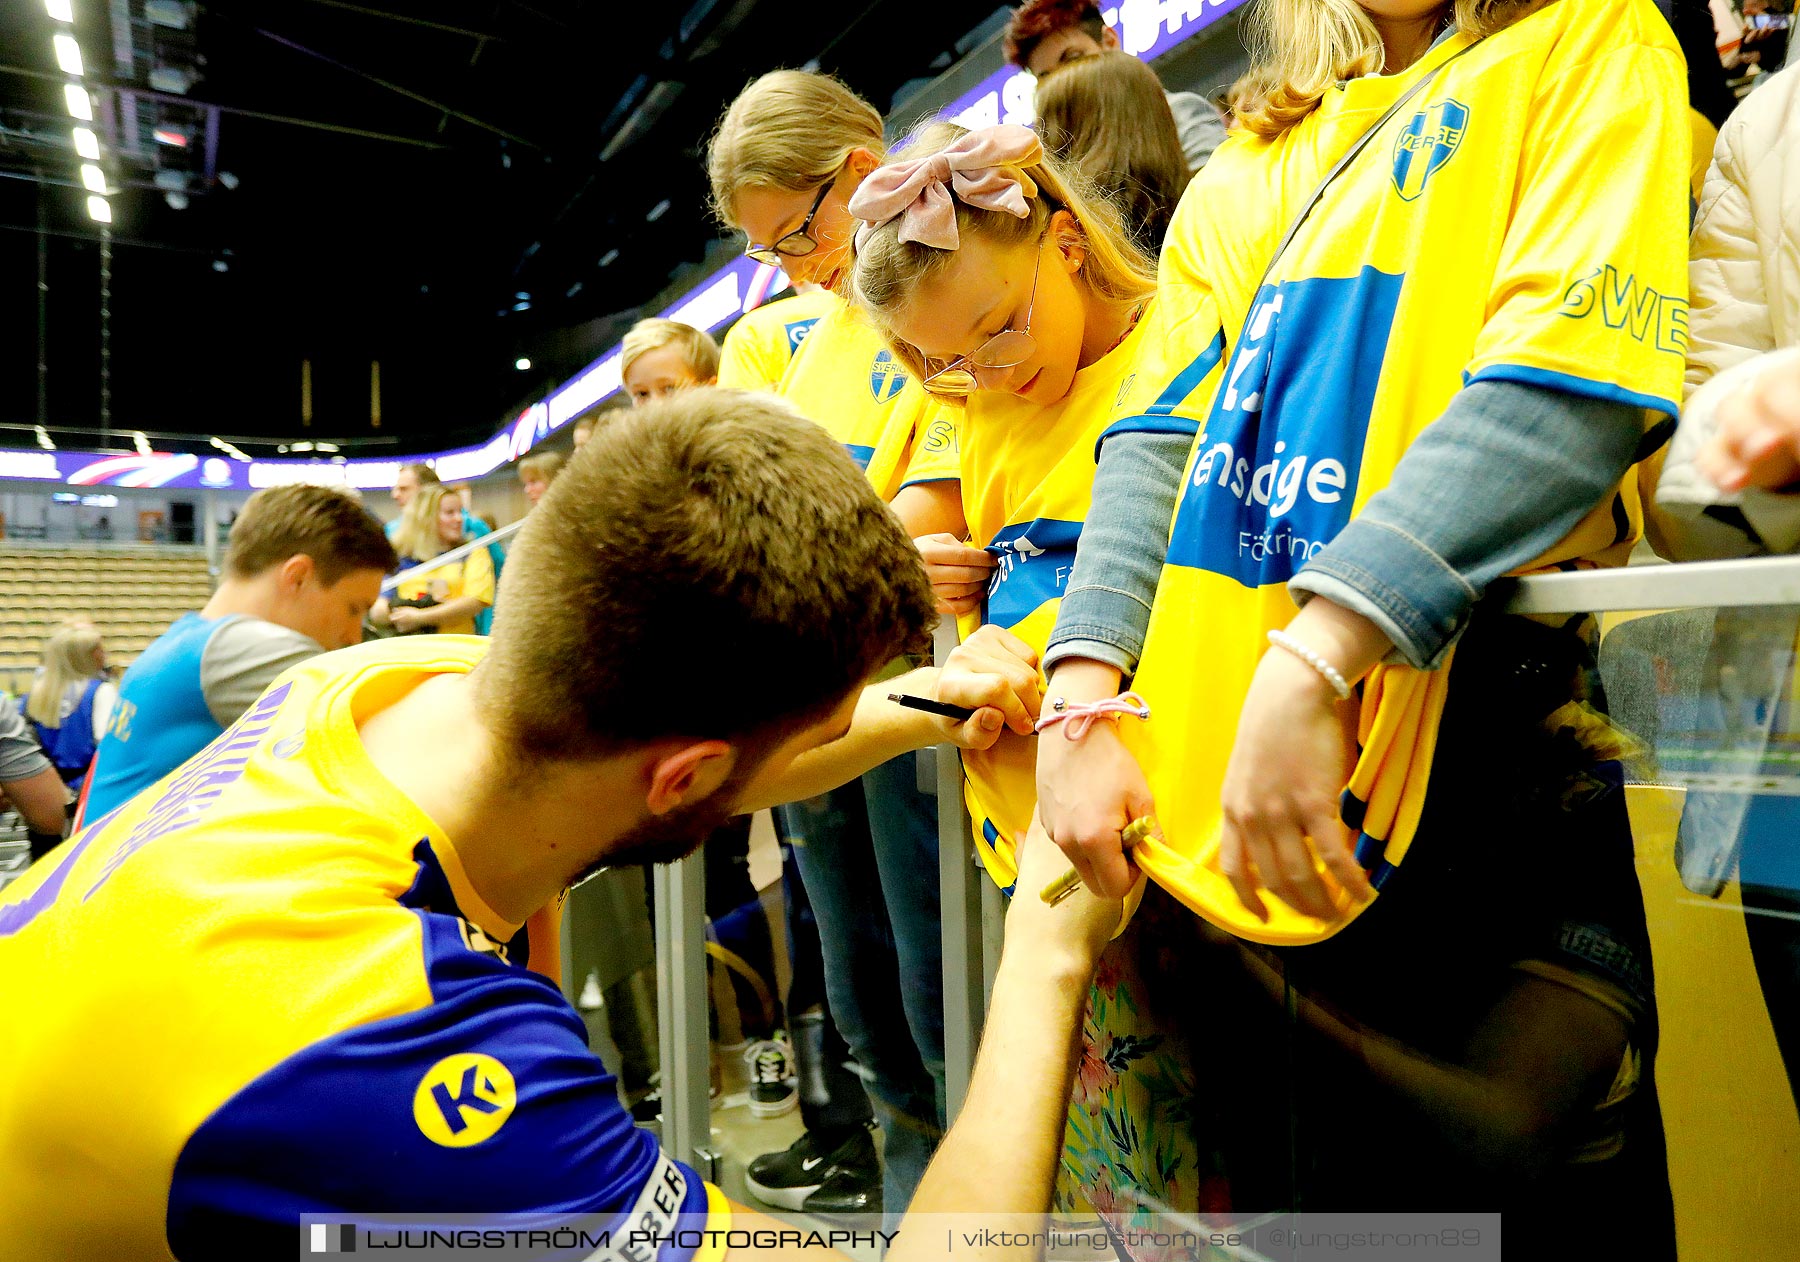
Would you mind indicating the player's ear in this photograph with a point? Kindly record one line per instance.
(686, 774)
(295, 571)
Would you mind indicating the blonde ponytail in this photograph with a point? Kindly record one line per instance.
(70, 656)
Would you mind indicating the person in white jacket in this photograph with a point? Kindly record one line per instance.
(1730, 485)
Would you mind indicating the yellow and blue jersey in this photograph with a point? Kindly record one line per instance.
(847, 379)
(1027, 481)
(758, 348)
(264, 988)
(1523, 219)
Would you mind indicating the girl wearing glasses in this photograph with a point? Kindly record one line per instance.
(1008, 286)
(783, 164)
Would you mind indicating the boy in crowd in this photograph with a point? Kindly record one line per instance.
(1045, 33)
(304, 565)
(318, 920)
(659, 357)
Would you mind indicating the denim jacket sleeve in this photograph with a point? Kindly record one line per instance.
(1499, 478)
(1106, 608)
(1503, 475)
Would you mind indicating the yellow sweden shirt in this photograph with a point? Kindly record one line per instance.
(759, 347)
(1522, 219)
(845, 378)
(263, 988)
(1027, 481)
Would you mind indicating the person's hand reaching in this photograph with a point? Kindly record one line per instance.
(1757, 439)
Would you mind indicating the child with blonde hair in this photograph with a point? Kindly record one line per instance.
(659, 357)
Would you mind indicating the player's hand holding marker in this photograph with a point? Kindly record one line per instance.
(959, 573)
(993, 674)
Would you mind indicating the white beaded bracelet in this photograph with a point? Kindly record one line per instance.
(1282, 640)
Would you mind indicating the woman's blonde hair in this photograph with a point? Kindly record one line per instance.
(1301, 49)
(1109, 116)
(790, 129)
(71, 655)
(697, 346)
(887, 272)
(417, 535)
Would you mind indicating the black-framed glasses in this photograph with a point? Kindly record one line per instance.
(1006, 349)
(797, 243)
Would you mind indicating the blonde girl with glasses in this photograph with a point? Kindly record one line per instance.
(784, 162)
(1005, 283)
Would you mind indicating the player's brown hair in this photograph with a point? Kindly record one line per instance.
(322, 522)
(712, 533)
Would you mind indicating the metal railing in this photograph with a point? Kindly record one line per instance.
(971, 905)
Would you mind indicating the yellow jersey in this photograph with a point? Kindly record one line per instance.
(1027, 480)
(263, 989)
(758, 348)
(1524, 218)
(471, 576)
(844, 377)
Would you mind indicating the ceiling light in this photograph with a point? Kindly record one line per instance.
(68, 53)
(522, 306)
(177, 199)
(87, 144)
(522, 364)
(80, 105)
(61, 10)
(607, 258)
(522, 296)
(300, 447)
(143, 444)
(325, 446)
(657, 211)
(43, 437)
(99, 209)
(228, 179)
(93, 177)
(230, 449)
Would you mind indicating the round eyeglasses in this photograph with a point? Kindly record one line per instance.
(1006, 349)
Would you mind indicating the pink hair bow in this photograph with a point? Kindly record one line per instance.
(982, 168)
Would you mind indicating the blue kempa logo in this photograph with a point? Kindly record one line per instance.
(1430, 139)
(887, 376)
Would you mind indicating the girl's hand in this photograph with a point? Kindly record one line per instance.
(959, 573)
(1089, 789)
(1293, 755)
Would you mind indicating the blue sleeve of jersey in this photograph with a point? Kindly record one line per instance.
(487, 1101)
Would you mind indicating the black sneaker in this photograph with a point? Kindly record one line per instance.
(788, 1179)
(773, 1091)
(848, 1190)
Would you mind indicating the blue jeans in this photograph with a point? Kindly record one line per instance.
(868, 855)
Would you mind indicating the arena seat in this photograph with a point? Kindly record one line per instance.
(131, 596)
